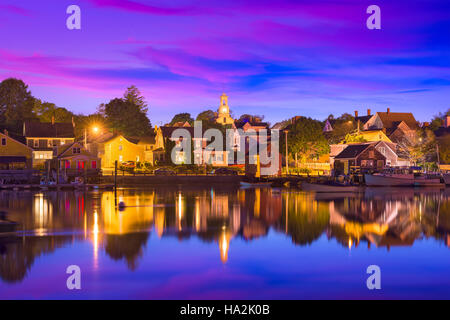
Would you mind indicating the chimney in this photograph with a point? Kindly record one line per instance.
(388, 110)
(368, 112)
(53, 119)
(356, 114)
(5, 132)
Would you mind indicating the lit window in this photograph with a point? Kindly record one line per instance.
(94, 164)
(120, 147)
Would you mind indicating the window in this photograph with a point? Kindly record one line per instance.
(3, 141)
(137, 158)
(76, 150)
(120, 147)
(80, 164)
(36, 143)
(371, 154)
(382, 150)
(67, 165)
(120, 158)
(94, 164)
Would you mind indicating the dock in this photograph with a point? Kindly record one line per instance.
(56, 187)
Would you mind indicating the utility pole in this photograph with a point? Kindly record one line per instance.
(287, 156)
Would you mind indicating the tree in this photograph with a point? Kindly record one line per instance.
(342, 126)
(207, 115)
(444, 149)
(16, 104)
(126, 117)
(133, 95)
(45, 111)
(354, 138)
(305, 138)
(182, 117)
(422, 149)
(438, 120)
(250, 118)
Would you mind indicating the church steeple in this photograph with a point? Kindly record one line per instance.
(224, 111)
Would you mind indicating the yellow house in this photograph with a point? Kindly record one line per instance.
(14, 154)
(138, 149)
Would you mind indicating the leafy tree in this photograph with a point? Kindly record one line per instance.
(133, 95)
(207, 115)
(354, 138)
(305, 138)
(16, 104)
(438, 120)
(444, 149)
(46, 110)
(126, 117)
(342, 126)
(250, 118)
(182, 117)
(422, 149)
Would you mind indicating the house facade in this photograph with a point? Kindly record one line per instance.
(42, 137)
(138, 149)
(14, 155)
(73, 160)
(361, 157)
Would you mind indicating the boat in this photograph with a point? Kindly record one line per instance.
(8, 226)
(255, 184)
(318, 187)
(384, 180)
(446, 177)
(428, 182)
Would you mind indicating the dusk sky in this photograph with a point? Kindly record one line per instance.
(277, 58)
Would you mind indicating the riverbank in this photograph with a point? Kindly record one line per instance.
(123, 181)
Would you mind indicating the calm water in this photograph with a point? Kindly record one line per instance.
(230, 243)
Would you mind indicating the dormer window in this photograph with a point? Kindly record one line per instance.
(76, 150)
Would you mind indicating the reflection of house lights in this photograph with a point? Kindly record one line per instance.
(350, 243)
(95, 232)
(224, 242)
(43, 213)
(180, 211)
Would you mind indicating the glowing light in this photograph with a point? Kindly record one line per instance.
(95, 233)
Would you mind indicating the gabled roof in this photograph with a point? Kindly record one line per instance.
(363, 119)
(352, 151)
(392, 119)
(48, 130)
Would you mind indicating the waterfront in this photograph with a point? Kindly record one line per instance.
(226, 243)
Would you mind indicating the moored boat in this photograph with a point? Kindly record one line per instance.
(383, 180)
(446, 177)
(318, 187)
(255, 184)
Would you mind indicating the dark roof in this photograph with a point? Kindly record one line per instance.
(48, 130)
(142, 140)
(352, 151)
(167, 131)
(252, 123)
(392, 119)
(363, 119)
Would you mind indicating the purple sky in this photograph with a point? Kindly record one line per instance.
(278, 58)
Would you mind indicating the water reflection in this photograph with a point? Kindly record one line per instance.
(379, 218)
